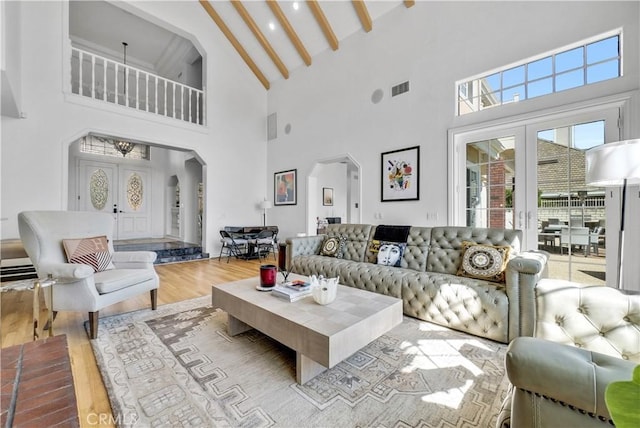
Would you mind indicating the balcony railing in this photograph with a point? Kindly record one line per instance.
(102, 79)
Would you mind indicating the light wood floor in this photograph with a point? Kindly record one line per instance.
(178, 281)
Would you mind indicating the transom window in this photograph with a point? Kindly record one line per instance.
(580, 65)
(100, 146)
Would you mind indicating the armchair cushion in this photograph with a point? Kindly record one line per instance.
(92, 251)
(109, 281)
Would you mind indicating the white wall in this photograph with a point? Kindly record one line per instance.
(34, 150)
(432, 45)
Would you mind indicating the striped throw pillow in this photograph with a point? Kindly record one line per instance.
(93, 251)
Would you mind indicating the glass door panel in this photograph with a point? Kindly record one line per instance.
(570, 216)
(490, 182)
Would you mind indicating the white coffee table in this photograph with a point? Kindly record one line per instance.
(322, 336)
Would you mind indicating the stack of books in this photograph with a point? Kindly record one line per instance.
(292, 291)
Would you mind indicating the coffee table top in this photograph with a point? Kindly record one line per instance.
(350, 307)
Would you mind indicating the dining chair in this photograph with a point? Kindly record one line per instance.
(234, 246)
(265, 243)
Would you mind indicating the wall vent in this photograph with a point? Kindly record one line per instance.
(400, 89)
(272, 126)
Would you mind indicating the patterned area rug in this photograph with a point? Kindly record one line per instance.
(177, 367)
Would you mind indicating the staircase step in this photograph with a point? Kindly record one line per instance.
(17, 273)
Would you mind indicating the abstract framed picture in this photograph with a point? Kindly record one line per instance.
(400, 175)
(327, 196)
(285, 187)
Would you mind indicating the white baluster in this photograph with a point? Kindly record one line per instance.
(173, 99)
(126, 85)
(189, 101)
(146, 90)
(137, 94)
(156, 94)
(104, 79)
(93, 75)
(80, 59)
(182, 101)
(165, 97)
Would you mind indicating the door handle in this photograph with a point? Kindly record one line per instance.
(520, 217)
(529, 216)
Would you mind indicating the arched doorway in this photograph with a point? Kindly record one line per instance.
(334, 191)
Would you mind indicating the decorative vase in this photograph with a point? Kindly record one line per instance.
(324, 290)
(268, 275)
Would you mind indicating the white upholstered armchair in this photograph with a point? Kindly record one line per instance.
(98, 276)
(585, 338)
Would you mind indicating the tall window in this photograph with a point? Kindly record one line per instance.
(570, 67)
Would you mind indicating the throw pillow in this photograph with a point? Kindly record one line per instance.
(93, 251)
(331, 247)
(390, 253)
(486, 262)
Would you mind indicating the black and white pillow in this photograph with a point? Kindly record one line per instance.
(390, 253)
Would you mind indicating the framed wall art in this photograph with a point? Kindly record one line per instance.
(285, 185)
(327, 196)
(400, 175)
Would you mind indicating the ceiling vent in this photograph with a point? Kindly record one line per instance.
(400, 89)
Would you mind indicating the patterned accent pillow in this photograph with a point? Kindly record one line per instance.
(390, 253)
(486, 262)
(331, 247)
(93, 251)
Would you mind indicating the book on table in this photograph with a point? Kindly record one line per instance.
(290, 294)
(297, 284)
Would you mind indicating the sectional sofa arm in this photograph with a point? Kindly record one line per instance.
(522, 274)
(565, 375)
(303, 246)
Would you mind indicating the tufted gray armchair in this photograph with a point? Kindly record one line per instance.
(585, 338)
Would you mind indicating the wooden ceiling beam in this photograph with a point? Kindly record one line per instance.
(324, 24)
(363, 14)
(288, 28)
(409, 3)
(246, 17)
(234, 42)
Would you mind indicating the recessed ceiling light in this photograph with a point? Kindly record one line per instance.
(272, 26)
(296, 5)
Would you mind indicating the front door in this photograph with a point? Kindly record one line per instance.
(121, 190)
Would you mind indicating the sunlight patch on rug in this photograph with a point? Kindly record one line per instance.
(178, 367)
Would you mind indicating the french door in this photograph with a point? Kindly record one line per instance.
(532, 177)
(120, 190)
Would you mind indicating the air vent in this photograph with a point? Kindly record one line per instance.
(400, 89)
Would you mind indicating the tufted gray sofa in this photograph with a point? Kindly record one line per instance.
(427, 282)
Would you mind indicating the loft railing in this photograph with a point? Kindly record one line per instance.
(102, 79)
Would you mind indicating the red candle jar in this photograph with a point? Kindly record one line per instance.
(268, 275)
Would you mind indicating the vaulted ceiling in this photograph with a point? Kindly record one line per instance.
(274, 37)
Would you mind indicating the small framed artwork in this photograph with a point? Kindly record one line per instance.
(285, 187)
(400, 175)
(327, 196)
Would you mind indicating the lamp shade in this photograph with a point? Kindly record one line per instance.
(265, 205)
(609, 164)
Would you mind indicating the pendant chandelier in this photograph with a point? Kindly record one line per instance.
(123, 147)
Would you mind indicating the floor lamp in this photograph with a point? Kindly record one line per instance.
(615, 164)
(265, 205)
